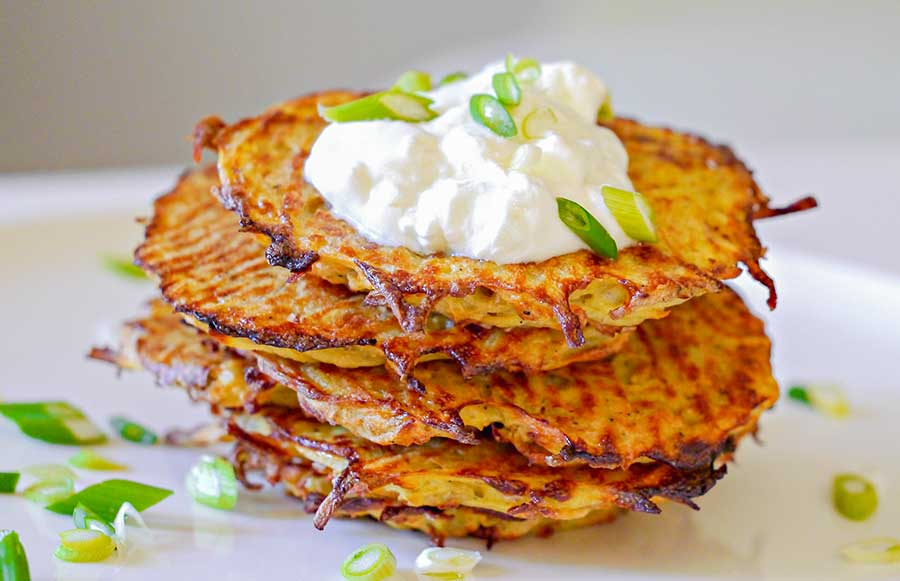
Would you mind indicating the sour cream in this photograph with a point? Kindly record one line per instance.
(451, 185)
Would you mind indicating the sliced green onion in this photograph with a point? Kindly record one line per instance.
(488, 111)
(372, 562)
(526, 69)
(854, 497)
(829, 400)
(89, 460)
(8, 481)
(452, 78)
(107, 497)
(84, 546)
(605, 112)
(126, 511)
(53, 422)
(212, 482)
(446, 563)
(538, 122)
(13, 562)
(632, 212)
(586, 227)
(133, 432)
(413, 82)
(49, 472)
(882, 550)
(507, 89)
(386, 105)
(123, 267)
(85, 518)
(45, 492)
(799, 393)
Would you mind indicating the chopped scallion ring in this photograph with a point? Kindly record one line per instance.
(526, 69)
(413, 82)
(107, 497)
(507, 89)
(89, 460)
(53, 422)
(537, 123)
(126, 511)
(85, 518)
(392, 105)
(84, 546)
(13, 562)
(452, 78)
(882, 550)
(372, 562)
(123, 267)
(632, 212)
(8, 481)
(212, 482)
(49, 472)
(854, 497)
(586, 227)
(605, 112)
(133, 432)
(799, 393)
(486, 110)
(46, 492)
(829, 400)
(446, 563)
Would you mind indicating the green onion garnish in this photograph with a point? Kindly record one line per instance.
(8, 481)
(84, 546)
(133, 432)
(526, 69)
(386, 105)
(131, 513)
(89, 460)
(507, 89)
(212, 482)
(605, 112)
(854, 496)
(446, 563)
(488, 111)
(798, 393)
(123, 267)
(632, 212)
(46, 492)
(538, 122)
(13, 562)
(53, 422)
(882, 550)
(107, 497)
(586, 227)
(452, 78)
(413, 82)
(85, 518)
(372, 562)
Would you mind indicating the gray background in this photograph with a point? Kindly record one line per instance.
(88, 84)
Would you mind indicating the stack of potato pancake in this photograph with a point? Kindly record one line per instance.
(445, 394)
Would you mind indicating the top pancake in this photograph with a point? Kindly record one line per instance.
(703, 196)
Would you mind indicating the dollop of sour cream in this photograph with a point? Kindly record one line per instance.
(451, 185)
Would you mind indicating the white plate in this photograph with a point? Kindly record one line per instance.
(769, 518)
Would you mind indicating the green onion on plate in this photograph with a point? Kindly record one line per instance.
(586, 227)
(446, 563)
(372, 562)
(413, 82)
(89, 460)
(632, 212)
(85, 518)
(854, 496)
(452, 78)
(882, 550)
(798, 393)
(825, 399)
(123, 267)
(507, 89)
(8, 481)
(13, 562)
(107, 497)
(55, 422)
(84, 546)
(45, 492)
(212, 482)
(132, 431)
(486, 110)
(394, 105)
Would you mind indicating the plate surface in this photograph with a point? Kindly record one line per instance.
(770, 518)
